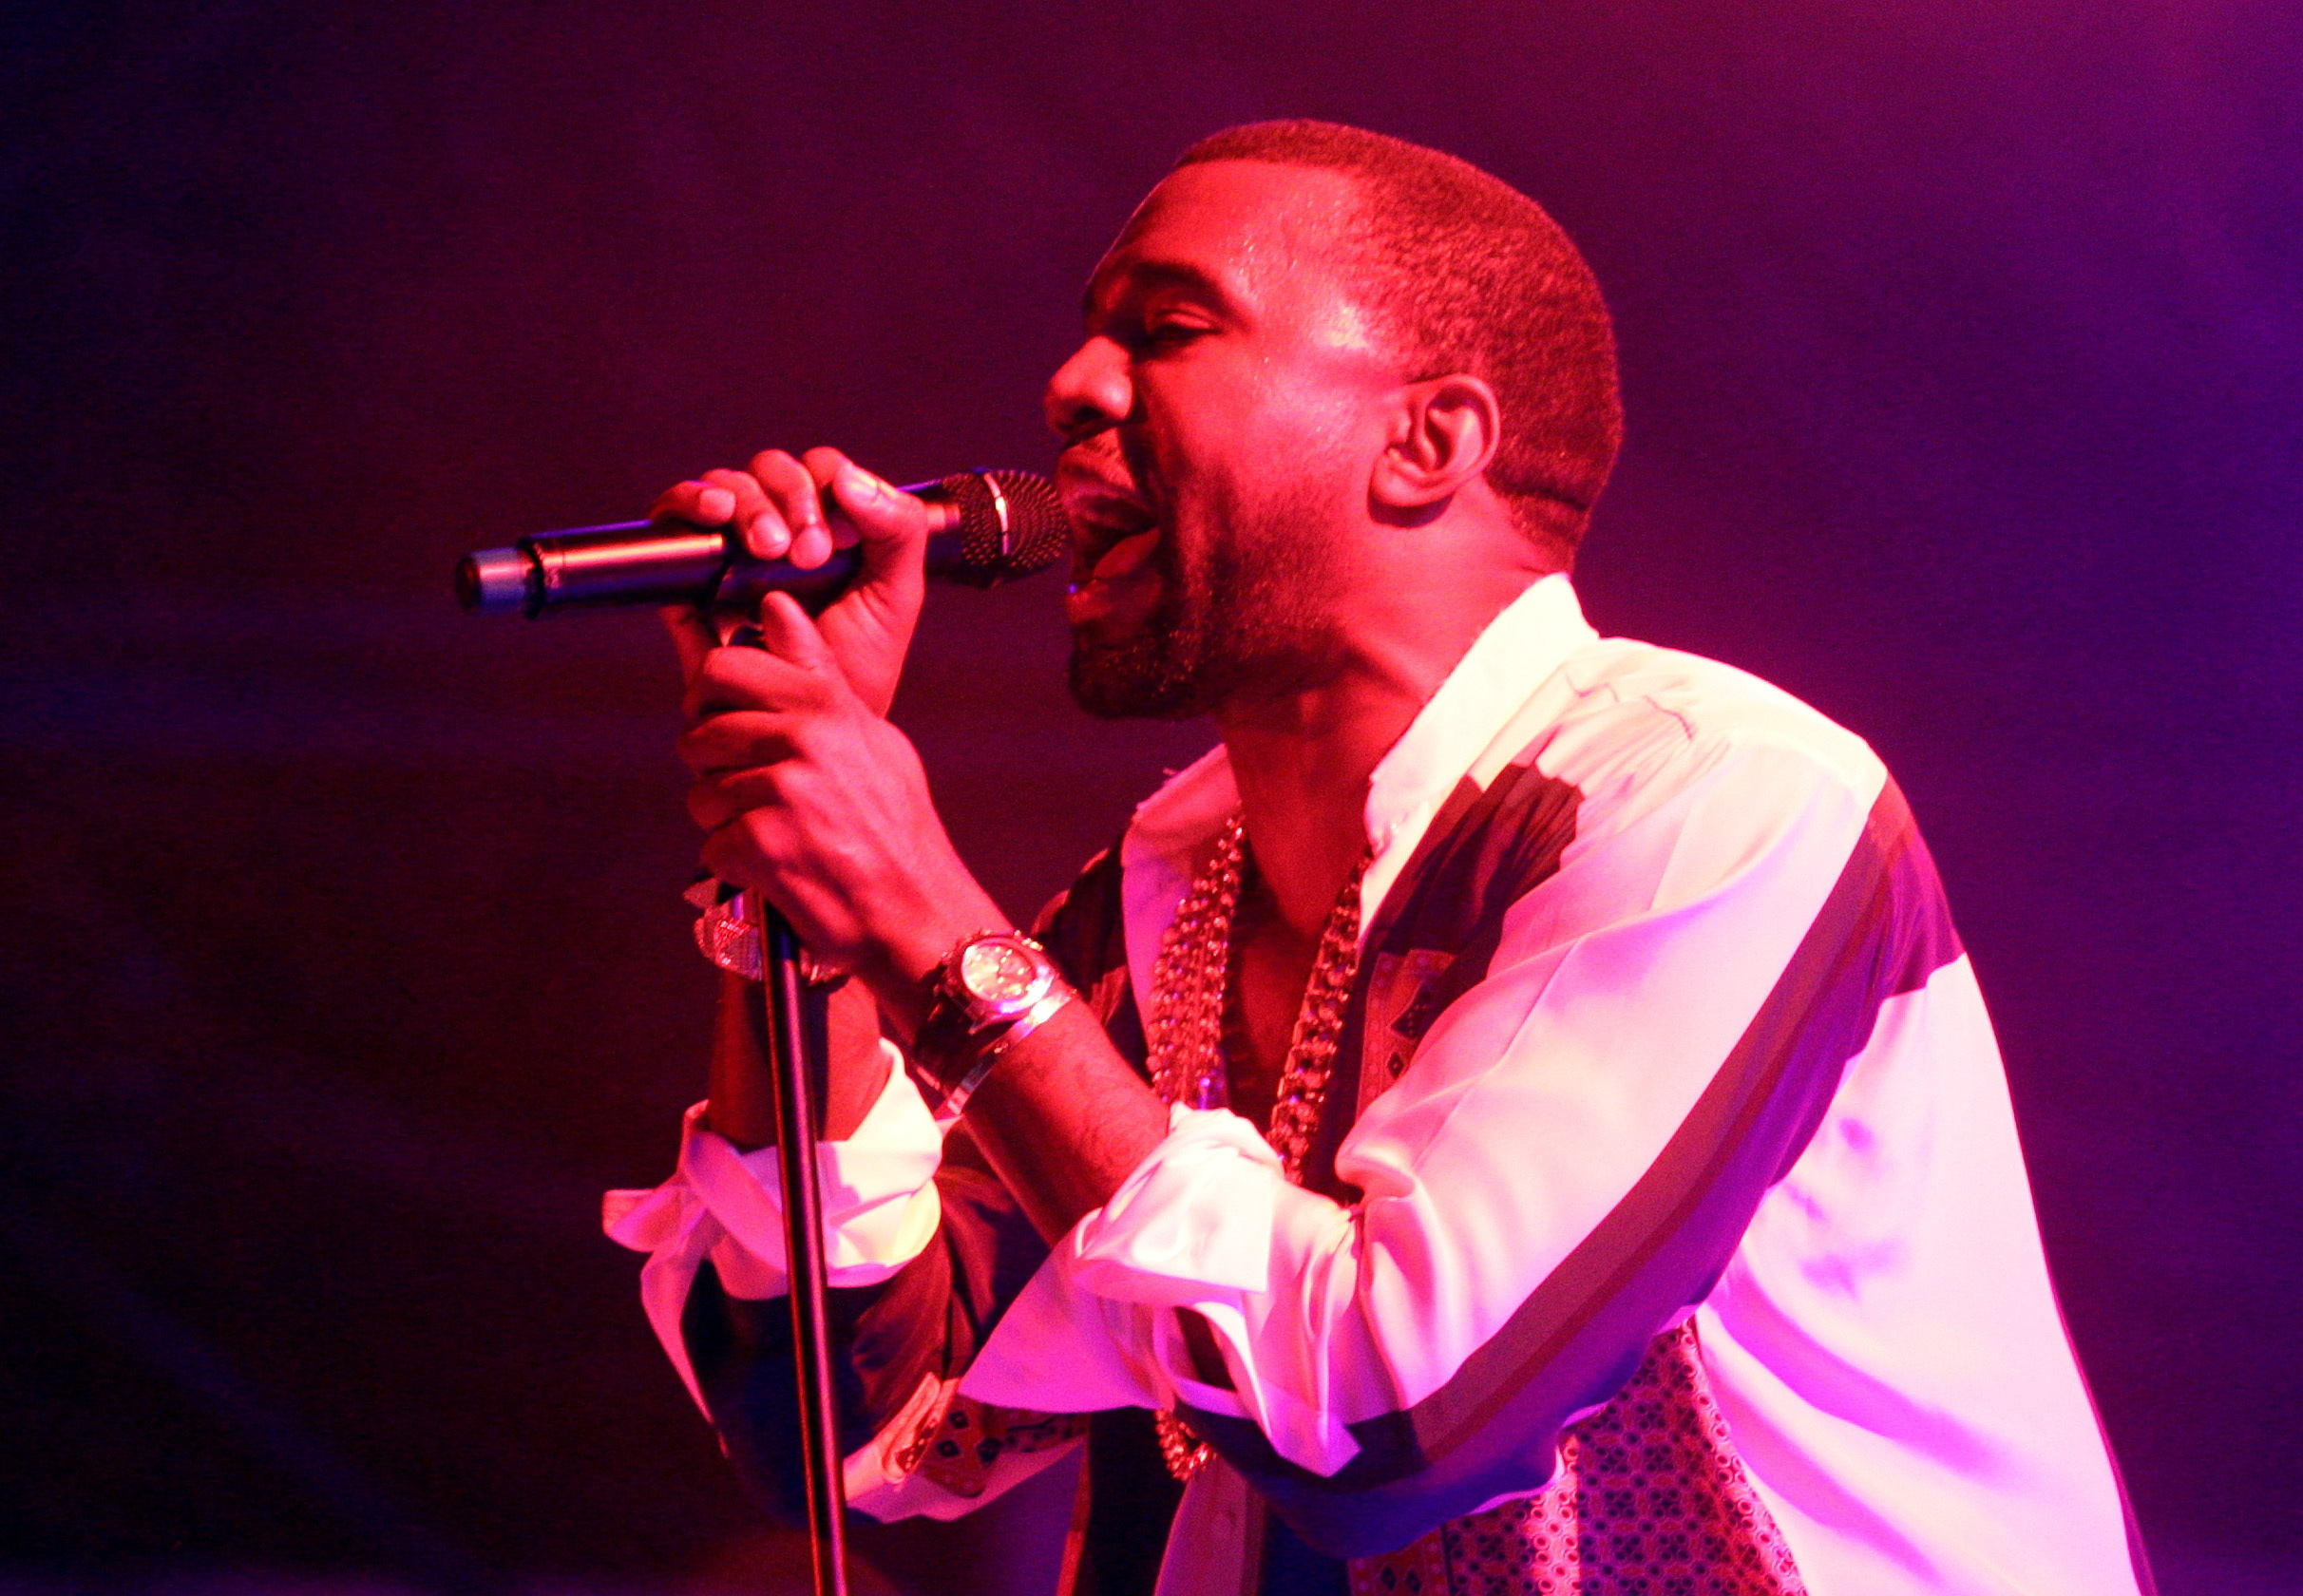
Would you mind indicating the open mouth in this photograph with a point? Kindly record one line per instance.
(1115, 583)
(1123, 557)
(1111, 536)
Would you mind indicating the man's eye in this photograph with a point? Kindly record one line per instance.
(1166, 334)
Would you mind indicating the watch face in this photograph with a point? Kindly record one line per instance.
(1001, 975)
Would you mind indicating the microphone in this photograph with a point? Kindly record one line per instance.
(992, 528)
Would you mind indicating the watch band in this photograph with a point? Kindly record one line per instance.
(997, 1048)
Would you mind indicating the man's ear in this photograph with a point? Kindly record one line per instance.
(1442, 433)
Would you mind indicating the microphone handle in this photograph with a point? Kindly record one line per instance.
(633, 562)
(594, 567)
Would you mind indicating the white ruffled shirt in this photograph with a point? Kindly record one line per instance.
(1898, 1257)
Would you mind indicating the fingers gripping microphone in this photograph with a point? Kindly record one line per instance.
(994, 527)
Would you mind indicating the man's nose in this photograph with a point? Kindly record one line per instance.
(1090, 391)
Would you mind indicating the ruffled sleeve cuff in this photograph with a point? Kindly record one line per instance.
(1200, 1225)
(880, 1210)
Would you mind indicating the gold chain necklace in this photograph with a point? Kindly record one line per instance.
(1187, 1034)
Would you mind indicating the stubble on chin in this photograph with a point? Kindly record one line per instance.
(1254, 616)
(1155, 675)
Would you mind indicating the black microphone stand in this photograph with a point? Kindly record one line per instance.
(993, 525)
(792, 1023)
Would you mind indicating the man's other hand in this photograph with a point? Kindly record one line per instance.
(814, 800)
(778, 503)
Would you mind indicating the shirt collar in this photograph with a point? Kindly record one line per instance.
(1520, 648)
(1523, 645)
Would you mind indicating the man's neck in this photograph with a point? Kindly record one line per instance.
(1416, 592)
(1302, 762)
(1303, 766)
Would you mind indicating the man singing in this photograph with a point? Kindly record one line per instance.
(1513, 1117)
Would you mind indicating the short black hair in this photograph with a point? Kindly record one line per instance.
(1464, 273)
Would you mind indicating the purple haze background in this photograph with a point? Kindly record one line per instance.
(1963, 356)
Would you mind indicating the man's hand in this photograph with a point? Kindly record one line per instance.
(777, 504)
(814, 799)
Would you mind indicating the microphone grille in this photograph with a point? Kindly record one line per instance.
(1011, 524)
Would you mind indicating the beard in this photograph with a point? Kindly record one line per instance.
(1247, 611)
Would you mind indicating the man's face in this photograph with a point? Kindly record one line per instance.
(1219, 423)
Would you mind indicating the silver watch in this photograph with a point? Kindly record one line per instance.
(996, 988)
(997, 978)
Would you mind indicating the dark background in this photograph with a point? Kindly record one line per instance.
(1963, 356)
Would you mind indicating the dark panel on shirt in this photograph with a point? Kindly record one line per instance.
(1491, 1430)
